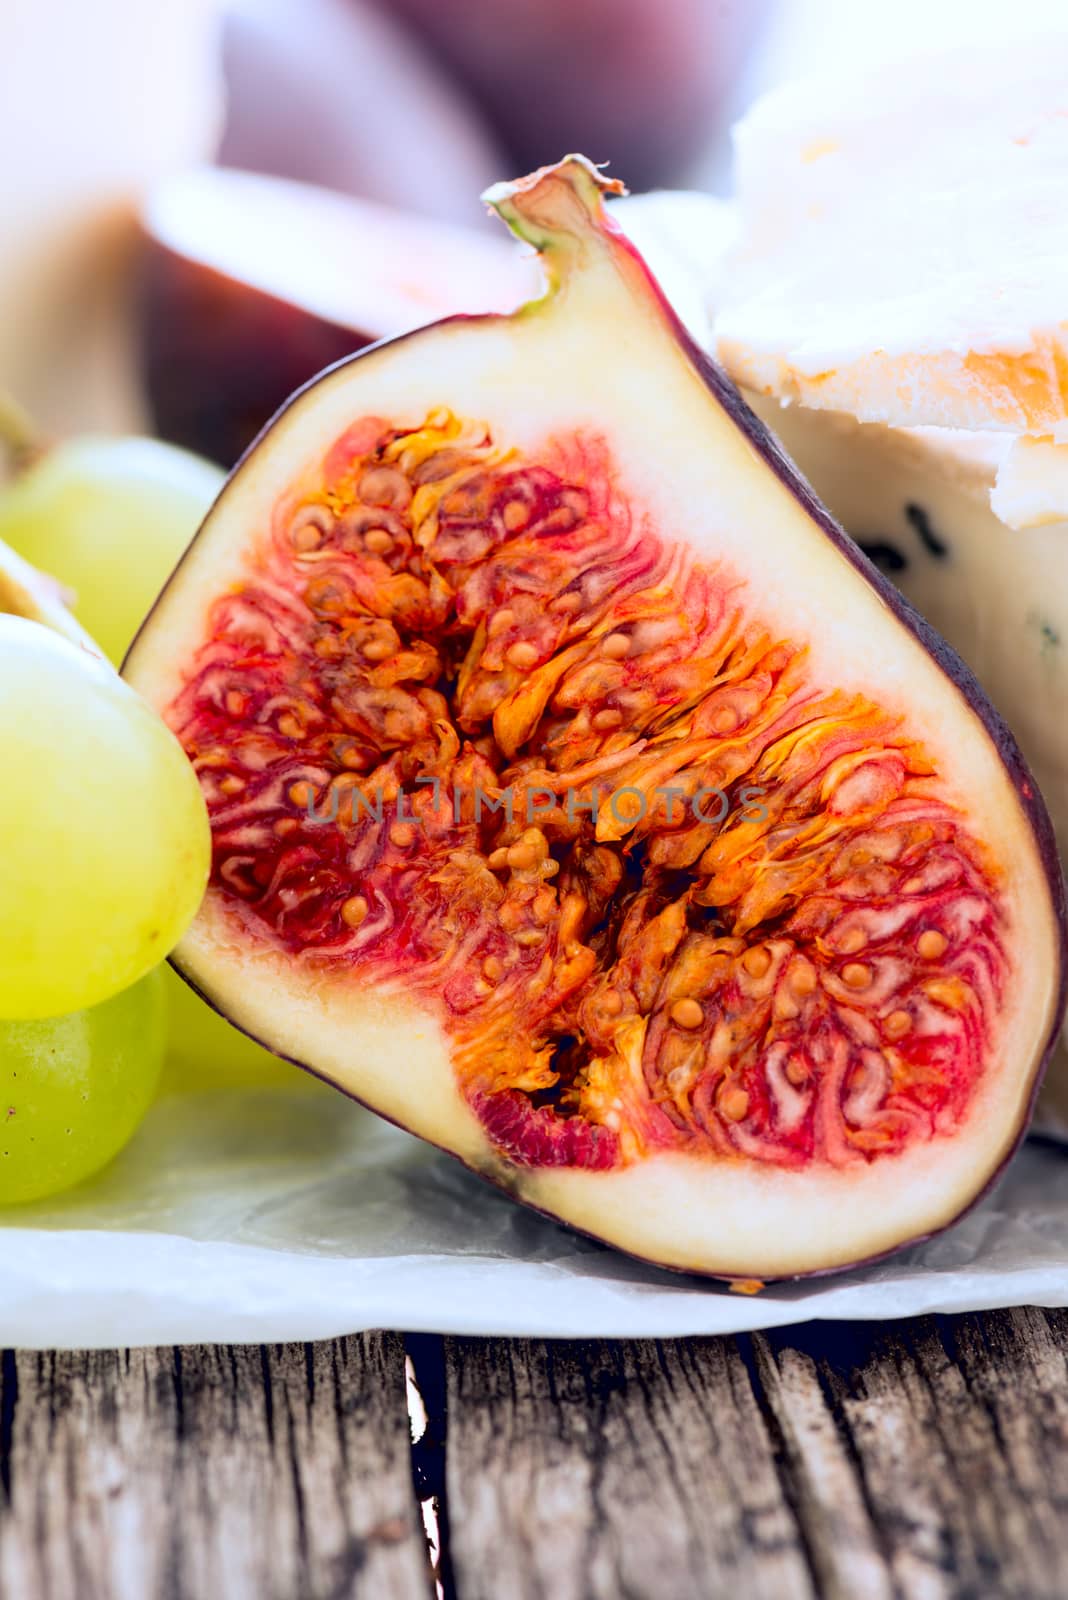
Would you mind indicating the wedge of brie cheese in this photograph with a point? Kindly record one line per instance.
(903, 240)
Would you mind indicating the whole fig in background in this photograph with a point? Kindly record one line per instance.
(336, 93)
(642, 83)
(584, 801)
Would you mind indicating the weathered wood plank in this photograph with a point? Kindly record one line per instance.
(928, 1458)
(204, 1473)
(613, 1470)
(915, 1461)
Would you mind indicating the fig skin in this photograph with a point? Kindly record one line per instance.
(262, 994)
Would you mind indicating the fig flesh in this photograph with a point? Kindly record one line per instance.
(584, 802)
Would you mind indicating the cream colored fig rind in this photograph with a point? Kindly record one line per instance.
(375, 1043)
(687, 466)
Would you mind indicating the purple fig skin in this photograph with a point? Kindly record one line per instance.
(729, 400)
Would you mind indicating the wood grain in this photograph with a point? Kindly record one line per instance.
(266, 1473)
(917, 1461)
(922, 1460)
(613, 1470)
(928, 1458)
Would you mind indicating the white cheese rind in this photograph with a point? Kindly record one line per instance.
(1031, 488)
(904, 241)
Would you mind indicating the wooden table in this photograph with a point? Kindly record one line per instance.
(921, 1459)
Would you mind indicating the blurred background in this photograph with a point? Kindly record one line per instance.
(212, 200)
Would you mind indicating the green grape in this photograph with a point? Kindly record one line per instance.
(73, 1089)
(109, 518)
(204, 1051)
(104, 834)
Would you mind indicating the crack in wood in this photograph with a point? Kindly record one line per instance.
(426, 1354)
(9, 1398)
(793, 1487)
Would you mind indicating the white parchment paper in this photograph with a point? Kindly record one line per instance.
(275, 1214)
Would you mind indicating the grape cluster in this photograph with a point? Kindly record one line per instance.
(104, 832)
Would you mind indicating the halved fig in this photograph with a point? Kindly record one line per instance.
(252, 284)
(781, 1001)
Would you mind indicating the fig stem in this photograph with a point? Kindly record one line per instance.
(555, 208)
(19, 434)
